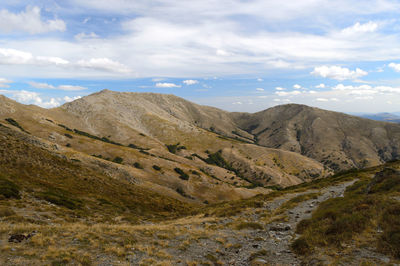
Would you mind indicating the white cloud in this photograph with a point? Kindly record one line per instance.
(320, 86)
(260, 80)
(83, 36)
(259, 89)
(322, 100)
(167, 85)
(104, 64)
(14, 57)
(396, 67)
(297, 86)
(239, 103)
(181, 39)
(70, 99)
(50, 60)
(366, 90)
(280, 88)
(38, 85)
(338, 73)
(287, 93)
(4, 83)
(30, 97)
(364, 98)
(190, 82)
(71, 88)
(361, 28)
(28, 21)
(327, 100)
(17, 57)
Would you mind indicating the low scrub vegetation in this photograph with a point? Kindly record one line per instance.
(118, 160)
(182, 174)
(16, 124)
(138, 165)
(60, 198)
(156, 167)
(173, 148)
(340, 220)
(9, 189)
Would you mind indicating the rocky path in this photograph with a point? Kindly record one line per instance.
(269, 245)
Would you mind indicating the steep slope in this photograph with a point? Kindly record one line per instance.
(136, 109)
(40, 185)
(204, 167)
(338, 140)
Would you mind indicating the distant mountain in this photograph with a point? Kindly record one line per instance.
(338, 140)
(387, 117)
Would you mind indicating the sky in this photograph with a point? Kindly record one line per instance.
(238, 55)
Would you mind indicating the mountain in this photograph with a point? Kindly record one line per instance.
(124, 177)
(153, 141)
(338, 140)
(387, 117)
(204, 153)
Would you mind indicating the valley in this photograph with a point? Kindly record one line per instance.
(144, 178)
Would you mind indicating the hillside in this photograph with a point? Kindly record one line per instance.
(118, 178)
(174, 158)
(338, 140)
(75, 214)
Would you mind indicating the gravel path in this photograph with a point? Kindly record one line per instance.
(267, 246)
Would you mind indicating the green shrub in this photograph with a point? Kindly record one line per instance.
(65, 127)
(389, 241)
(9, 189)
(182, 174)
(60, 198)
(156, 167)
(133, 146)
(15, 124)
(68, 135)
(118, 160)
(173, 148)
(300, 246)
(138, 165)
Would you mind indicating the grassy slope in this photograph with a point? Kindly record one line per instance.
(368, 216)
(77, 192)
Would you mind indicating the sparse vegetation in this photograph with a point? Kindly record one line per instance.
(173, 148)
(339, 220)
(65, 127)
(138, 165)
(118, 160)
(9, 189)
(249, 225)
(182, 174)
(16, 124)
(60, 198)
(156, 167)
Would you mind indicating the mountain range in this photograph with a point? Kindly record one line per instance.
(198, 153)
(387, 117)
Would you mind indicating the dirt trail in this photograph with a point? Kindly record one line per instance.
(269, 245)
(278, 235)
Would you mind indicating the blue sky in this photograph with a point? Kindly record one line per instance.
(238, 55)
